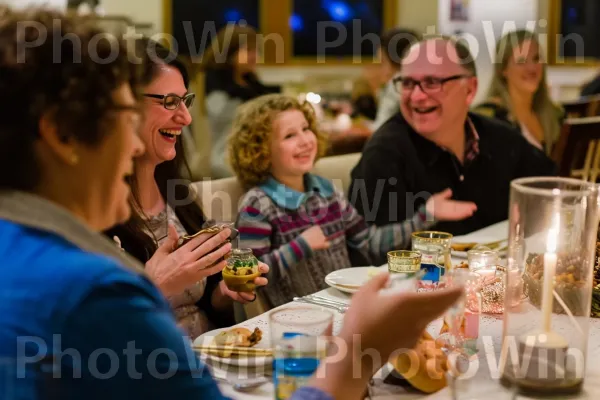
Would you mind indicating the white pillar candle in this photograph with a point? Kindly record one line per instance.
(550, 260)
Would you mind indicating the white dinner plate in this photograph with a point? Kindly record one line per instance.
(206, 339)
(350, 280)
(492, 233)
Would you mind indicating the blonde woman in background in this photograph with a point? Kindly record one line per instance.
(519, 94)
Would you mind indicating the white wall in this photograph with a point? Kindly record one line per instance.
(418, 14)
(140, 11)
(59, 4)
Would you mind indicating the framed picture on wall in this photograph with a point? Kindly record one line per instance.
(459, 10)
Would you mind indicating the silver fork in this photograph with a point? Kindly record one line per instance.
(327, 300)
(339, 308)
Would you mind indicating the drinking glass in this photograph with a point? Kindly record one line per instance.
(435, 253)
(404, 261)
(461, 321)
(482, 257)
(298, 346)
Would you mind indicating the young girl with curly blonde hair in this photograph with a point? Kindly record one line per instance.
(298, 222)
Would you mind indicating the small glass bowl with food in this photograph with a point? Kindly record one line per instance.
(241, 270)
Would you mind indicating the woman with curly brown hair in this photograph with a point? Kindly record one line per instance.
(297, 222)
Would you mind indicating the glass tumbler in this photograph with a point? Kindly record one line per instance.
(435, 253)
(298, 346)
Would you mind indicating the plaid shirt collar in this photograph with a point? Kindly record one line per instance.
(471, 142)
(431, 151)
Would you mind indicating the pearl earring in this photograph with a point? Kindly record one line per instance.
(74, 159)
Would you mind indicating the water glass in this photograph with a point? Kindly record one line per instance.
(461, 321)
(435, 253)
(404, 262)
(482, 257)
(298, 346)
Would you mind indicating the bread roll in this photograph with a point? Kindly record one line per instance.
(424, 367)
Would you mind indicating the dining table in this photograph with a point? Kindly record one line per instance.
(484, 381)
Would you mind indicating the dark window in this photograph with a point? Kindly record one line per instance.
(579, 29)
(196, 22)
(338, 28)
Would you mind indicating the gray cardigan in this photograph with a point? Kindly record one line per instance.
(220, 109)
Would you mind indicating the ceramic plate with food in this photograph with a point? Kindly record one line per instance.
(494, 237)
(237, 346)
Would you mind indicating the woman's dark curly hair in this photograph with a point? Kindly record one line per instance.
(63, 67)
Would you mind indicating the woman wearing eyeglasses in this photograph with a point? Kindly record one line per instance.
(164, 211)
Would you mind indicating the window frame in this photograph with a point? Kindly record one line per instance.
(273, 19)
(554, 22)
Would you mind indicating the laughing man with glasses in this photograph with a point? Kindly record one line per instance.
(434, 142)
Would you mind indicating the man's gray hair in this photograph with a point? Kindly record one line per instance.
(465, 58)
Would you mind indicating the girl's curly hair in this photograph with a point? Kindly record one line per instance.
(250, 138)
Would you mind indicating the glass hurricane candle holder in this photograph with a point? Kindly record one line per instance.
(552, 238)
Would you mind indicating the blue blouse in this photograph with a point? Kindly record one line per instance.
(76, 325)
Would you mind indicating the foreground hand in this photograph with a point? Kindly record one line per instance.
(443, 208)
(175, 270)
(375, 326)
(243, 297)
(371, 311)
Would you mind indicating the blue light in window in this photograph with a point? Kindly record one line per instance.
(339, 10)
(573, 14)
(233, 15)
(296, 23)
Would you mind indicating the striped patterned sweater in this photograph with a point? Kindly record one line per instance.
(273, 216)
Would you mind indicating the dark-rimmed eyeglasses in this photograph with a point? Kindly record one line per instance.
(428, 84)
(171, 101)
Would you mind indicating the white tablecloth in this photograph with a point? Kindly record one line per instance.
(484, 385)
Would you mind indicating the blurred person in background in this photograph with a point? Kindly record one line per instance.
(231, 79)
(393, 46)
(365, 93)
(518, 93)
